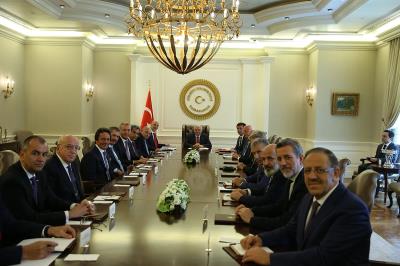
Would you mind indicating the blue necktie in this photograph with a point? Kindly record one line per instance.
(34, 188)
(73, 181)
(128, 154)
(106, 165)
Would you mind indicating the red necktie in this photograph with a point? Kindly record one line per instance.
(197, 139)
(155, 140)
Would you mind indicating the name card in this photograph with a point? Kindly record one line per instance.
(216, 172)
(156, 170)
(144, 179)
(85, 237)
(111, 211)
(130, 192)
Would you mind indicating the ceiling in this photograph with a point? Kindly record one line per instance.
(263, 20)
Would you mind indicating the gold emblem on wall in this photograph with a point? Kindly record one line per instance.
(200, 99)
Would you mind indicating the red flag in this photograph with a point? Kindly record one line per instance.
(147, 117)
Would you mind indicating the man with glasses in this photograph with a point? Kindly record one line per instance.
(271, 216)
(62, 170)
(26, 193)
(331, 226)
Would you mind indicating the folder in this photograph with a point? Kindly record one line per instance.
(128, 182)
(227, 219)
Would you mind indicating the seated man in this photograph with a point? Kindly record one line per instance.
(274, 215)
(245, 152)
(331, 226)
(97, 165)
(26, 193)
(387, 144)
(197, 139)
(115, 135)
(257, 181)
(239, 143)
(276, 182)
(62, 170)
(153, 136)
(13, 231)
(249, 164)
(143, 142)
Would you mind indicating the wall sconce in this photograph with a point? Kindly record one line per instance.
(89, 91)
(9, 87)
(310, 95)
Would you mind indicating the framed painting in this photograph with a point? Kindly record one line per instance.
(345, 103)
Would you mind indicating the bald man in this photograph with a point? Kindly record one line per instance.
(197, 139)
(62, 170)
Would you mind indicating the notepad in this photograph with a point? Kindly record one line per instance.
(80, 222)
(46, 261)
(82, 257)
(224, 190)
(62, 243)
(121, 185)
(227, 197)
(239, 250)
(106, 198)
(103, 202)
(228, 239)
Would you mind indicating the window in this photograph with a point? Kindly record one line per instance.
(396, 130)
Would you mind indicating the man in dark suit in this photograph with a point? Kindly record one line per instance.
(271, 216)
(126, 150)
(275, 182)
(331, 226)
(145, 146)
(198, 139)
(387, 144)
(26, 193)
(97, 165)
(62, 170)
(153, 135)
(13, 231)
(115, 135)
(245, 153)
(239, 143)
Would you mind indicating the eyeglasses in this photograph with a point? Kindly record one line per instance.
(317, 170)
(71, 147)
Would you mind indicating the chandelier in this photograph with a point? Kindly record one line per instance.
(184, 35)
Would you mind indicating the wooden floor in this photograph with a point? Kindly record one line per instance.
(385, 222)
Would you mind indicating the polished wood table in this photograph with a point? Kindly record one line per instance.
(385, 172)
(142, 236)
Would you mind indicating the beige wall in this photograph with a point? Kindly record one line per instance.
(12, 109)
(112, 81)
(345, 71)
(87, 77)
(289, 77)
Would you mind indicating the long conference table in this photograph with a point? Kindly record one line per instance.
(139, 235)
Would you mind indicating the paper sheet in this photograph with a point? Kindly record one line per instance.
(79, 222)
(62, 242)
(103, 202)
(229, 239)
(43, 262)
(118, 185)
(238, 249)
(82, 257)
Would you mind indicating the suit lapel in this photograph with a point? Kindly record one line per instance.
(64, 174)
(27, 184)
(99, 157)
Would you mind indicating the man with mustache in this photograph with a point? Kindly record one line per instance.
(271, 216)
(26, 193)
(331, 226)
(275, 181)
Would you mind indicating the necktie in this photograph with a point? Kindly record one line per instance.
(134, 149)
(117, 159)
(240, 140)
(314, 208)
(106, 165)
(291, 187)
(197, 139)
(147, 149)
(73, 181)
(384, 147)
(128, 154)
(34, 188)
(155, 140)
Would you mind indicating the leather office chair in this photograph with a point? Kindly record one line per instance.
(188, 129)
(87, 145)
(343, 163)
(364, 186)
(7, 158)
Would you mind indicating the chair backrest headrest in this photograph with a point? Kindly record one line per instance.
(343, 163)
(7, 158)
(364, 185)
(22, 135)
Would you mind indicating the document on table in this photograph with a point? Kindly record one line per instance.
(82, 257)
(229, 239)
(227, 197)
(106, 198)
(62, 243)
(239, 250)
(79, 222)
(103, 202)
(43, 262)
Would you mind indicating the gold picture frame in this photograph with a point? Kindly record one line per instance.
(345, 104)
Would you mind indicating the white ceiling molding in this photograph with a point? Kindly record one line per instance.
(47, 6)
(380, 22)
(300, 22)
(341, 46)
(347, 8)
(11, 35)
(320, 4)
(280, 12)
(70, 3)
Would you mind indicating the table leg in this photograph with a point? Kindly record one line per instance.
(385, 189)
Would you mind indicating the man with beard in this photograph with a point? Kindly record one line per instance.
(331, 226)
(275, 185)
(271, 216)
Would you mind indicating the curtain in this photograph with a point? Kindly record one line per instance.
(392, 96)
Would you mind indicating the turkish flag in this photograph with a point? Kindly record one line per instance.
(147, 117)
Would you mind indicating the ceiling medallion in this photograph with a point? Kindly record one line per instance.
(184, 35)
(200, 99)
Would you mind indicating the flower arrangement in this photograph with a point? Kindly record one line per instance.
(175, 195)
(192, 156)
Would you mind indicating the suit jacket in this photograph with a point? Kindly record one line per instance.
(256, 182)
(204, 140)
(13, 231)
(121, 152)
(144, 146)
(271, 194)
(60, 182)
(239, 145)
(380, 155)
(339, 234)
(246, 157)
(94, 169)
(114, 156)
(277, 214)
(17, 195)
